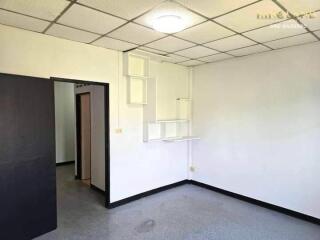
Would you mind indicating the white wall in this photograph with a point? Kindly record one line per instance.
(97, 133)
(135, 166)
(64, 121)
(259, 122)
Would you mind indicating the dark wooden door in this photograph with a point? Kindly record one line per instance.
(27, 157)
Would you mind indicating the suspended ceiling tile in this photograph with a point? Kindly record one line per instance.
(214, 8)
(45, 9)
(276, 31)
(216, 57)
(20, 21)
(249, 17)
(151, 50)
(298, 7)
(137, 34)
(170, 8)
(249, 50)
(175, 58)
(90, 20)
(229, 43)
(204, 32)
(191, 63)
(196, 52)
(71, 33)
(292, 41)
(122, 8)
(170, 44)
(311, 21)
(114, 44)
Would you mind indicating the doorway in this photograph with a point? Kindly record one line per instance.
(92, 126)
(83, 120)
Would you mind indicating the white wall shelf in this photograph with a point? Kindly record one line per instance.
(180, 139)
(172, 120)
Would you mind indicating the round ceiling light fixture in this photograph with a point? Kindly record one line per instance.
(168, 24)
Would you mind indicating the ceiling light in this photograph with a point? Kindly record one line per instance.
(168, 24)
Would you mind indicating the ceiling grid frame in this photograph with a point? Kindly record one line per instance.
(195, 44)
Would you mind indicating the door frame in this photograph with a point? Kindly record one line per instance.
(107, 129)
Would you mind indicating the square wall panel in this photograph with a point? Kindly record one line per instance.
(298, 7)
(191, 63)
(20, 21)
(71, 33)
(213, 8)
(114, 44)
(90, 20)
(276, 31)
(170, 8)
(204, 32)
(313, 23)
(45, 9)
(127, 9)
(251, 17)
(170, 44)
(292, 41)
(216, 57)
(249, 50)
(135, 33)
(229, 43)
(196, 52)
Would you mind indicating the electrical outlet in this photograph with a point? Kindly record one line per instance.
(192, 168)
(118, 130)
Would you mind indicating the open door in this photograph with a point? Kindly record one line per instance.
(84, 133)
(27, 157)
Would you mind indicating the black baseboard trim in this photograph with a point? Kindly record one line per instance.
(64, 163)
(258, 202)
(145, 194)
(97, 189)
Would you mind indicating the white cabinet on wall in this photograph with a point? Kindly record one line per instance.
(136, 69)
(176, 127)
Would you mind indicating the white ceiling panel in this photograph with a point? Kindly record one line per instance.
(216, 57)
(214, 8)
(90, 20)
(175, 58)
(151, 50)
(20, 21)
(114, 44)
(292, 41)
(205, 32)
(249, 50)
(137, 34)
(191, 63)
(122, 8)
(170, 8)
(46, 9)
(170, 44)
(233, 42)
(71, 33)
(276, 31)
(298, 7)
(247, 18)
(196, 52)
(312, 23)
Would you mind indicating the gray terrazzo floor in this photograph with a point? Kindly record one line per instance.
(183, 213)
